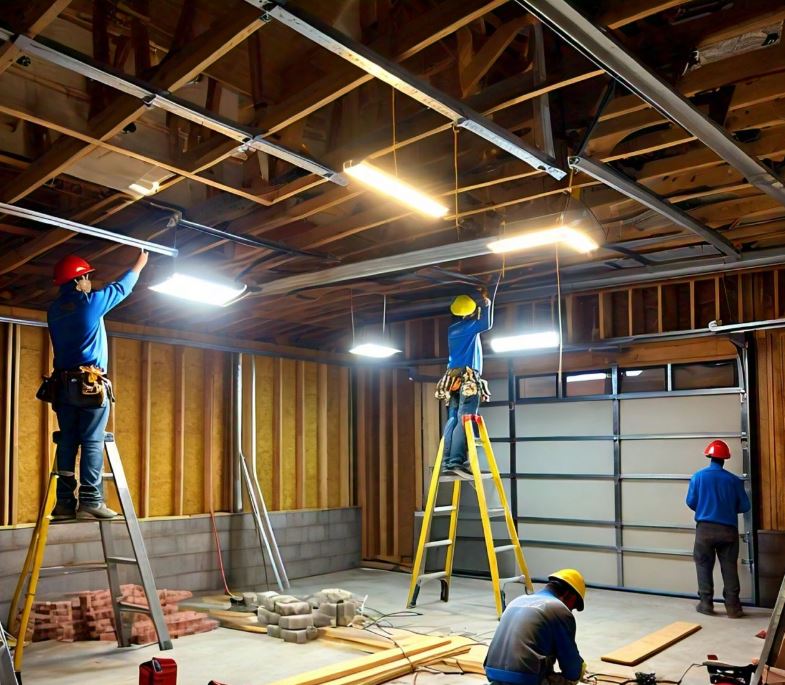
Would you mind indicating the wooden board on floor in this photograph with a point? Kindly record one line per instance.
(651, 644)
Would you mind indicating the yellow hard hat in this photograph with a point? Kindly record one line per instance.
(575, 580)
(463, 305)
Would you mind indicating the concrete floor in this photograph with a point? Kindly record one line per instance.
(611, 619)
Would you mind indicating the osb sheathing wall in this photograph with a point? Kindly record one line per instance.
(172, 422)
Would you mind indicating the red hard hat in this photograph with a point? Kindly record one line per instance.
(71, 267)
(717, 449)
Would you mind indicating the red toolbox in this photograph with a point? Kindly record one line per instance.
(158, 672)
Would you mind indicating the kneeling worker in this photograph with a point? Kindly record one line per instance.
(536, 631)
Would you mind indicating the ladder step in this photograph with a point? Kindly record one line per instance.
(425, 577)
(497, 511)
(503, 548)
(68, 569)
(438, 543)
(512, 579)
(133, 608)
(107, 476)
(122, 560)
(443, 510)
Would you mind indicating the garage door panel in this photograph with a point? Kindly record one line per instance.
(673, 456)
(501, 450)
(696, 414)
(556, 532)
(573, 418)
(671, 540)
(498, 388)
(655, 502)
(497, 421)
(593, 500)
(569, 456)
(596, 566)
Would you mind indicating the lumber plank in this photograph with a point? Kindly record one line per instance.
(651, 644)
(365, 664)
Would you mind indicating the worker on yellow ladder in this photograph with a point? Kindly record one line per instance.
(535, 631)
(462, 387)
(78, 388)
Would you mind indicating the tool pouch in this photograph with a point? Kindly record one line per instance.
(158, 671)
(87, 386)
(47, 391)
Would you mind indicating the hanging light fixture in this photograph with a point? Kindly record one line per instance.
(196, 289)
(375, 348)
(394, 187)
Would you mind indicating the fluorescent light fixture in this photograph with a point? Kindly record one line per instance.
(200, 290)
(395, 188)
(633, 373)
(587, 377)
(375, 350)
(527, 341)
(571, 237)
(139, 189)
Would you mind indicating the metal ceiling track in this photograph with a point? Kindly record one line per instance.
(626, 186)
(40, 217)
(599, 47)
(405, 82)
(246, 136)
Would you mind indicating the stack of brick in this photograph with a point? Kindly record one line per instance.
(90, 616)
(334, 607)
(286, 617)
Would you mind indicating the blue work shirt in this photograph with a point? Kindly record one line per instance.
(535, 631)
(76, 323)
(463, 340)
(717, 496)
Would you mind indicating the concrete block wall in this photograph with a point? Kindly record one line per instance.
(182, 551)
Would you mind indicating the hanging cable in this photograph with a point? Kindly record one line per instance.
(558, 298)
(394, 138)
(455, 169)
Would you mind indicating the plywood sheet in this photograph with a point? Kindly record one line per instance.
(288, 436)
(127, 411)
(651, 644)
(334, 401)
(162, 430)
(264, 425)
(193, 471)
(31, 423)
(221, 424)
(309, 428)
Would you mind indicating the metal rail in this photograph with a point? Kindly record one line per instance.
(247, 137)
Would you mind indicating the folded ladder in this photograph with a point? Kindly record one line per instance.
(419, 577)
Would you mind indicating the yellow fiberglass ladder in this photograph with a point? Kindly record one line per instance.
(419, 576)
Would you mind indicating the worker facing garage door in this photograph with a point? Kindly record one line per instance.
(597, 471)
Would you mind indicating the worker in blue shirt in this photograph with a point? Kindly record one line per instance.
(462, 386)
(717, 497)
(82, 393)
(535, 631)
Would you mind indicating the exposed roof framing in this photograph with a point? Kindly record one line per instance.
(71, 149)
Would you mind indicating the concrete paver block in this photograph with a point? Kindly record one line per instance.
(274, 631)
(267, 618)
(296, 622)
(292, 608)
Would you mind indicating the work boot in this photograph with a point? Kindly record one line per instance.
(733, 609)
(90, 512)
(705, 606)
(63, 512)
(464, 471)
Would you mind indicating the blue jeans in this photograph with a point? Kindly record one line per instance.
(81, 427)
(455, 446)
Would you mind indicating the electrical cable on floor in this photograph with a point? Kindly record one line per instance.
(220, 555)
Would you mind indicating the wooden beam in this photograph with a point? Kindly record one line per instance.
(37, 16)
(622, 12)
(179, 429)
(299, 435)
(207, 429)
(171, 75)
(322, 393)
(145, 427)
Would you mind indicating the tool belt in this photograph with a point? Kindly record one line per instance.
(464, 380)
(84, 386)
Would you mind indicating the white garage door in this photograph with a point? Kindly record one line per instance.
(597, 470)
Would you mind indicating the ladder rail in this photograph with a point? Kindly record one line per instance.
(474, 463)
(512, 528)
(425, 531)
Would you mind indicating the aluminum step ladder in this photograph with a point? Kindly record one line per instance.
(34, 570)
(419, 577)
